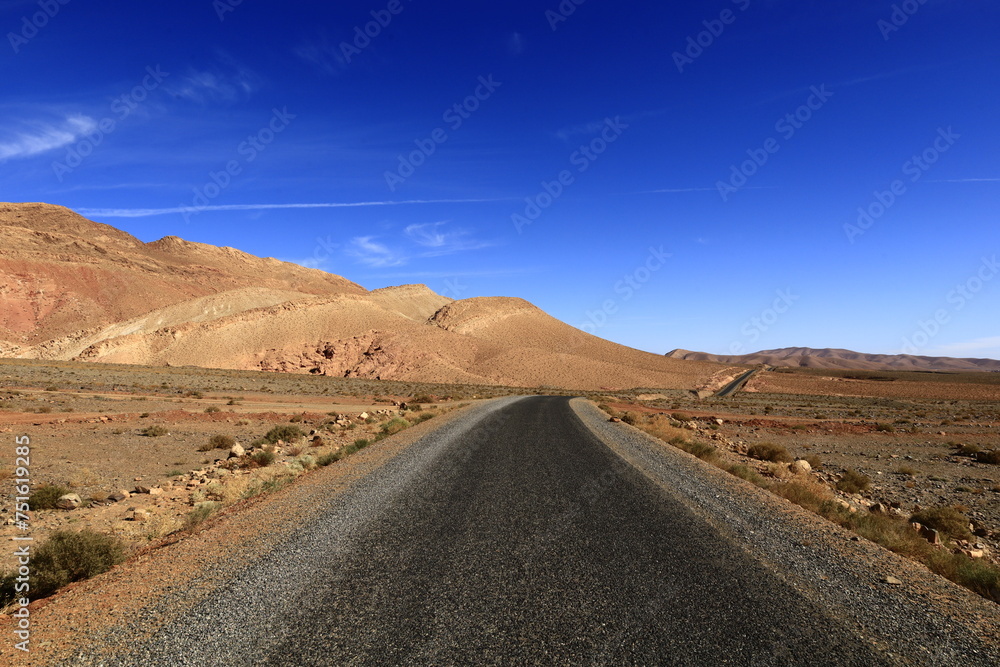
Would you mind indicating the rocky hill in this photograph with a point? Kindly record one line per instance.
(73, 289)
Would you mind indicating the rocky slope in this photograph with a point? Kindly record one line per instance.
(72, 289)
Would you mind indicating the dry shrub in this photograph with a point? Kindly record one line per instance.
(992, 457)
(806, 494)
(768, 451)
(659, 426)
(948, 520)
(853, 481)
(749, 474)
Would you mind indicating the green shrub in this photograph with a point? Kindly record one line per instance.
(45, 497)
(395, 425)
(201, 512)
(327, 459)
(768, 451)
(283, 432)
(361, 443)
(853, 481)
(630, 418)
(885, 428)
(262, 458)
(948, 520)
(424, 416)
(213, 408)
(67, 557)
(155, 431)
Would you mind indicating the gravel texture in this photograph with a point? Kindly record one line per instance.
(531, 531)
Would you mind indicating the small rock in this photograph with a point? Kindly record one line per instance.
(69, 502)
(139, 488)
(720, 422)
(156, 491)
(119, 496)
(877, 508)
(975, 553)
(614, 419)
(892, 580)
(139, 515)
(236, 450)
(364, 415)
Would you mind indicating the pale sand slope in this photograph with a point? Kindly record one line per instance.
(805, 357)
(74, 289)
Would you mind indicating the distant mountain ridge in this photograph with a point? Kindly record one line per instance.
(807, 357)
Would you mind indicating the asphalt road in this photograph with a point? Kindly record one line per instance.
(736, 384)
(520, 540)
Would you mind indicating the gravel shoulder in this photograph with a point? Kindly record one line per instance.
(925, 620)
(179, 605)
(88, 622)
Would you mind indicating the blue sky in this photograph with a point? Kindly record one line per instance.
(724, 176)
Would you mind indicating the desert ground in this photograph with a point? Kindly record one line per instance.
(88, 425)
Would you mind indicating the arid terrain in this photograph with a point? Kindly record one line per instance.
(168, 387)
(72, 289)
(804, 357)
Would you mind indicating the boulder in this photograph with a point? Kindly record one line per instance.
(69, 502)
(800, 467)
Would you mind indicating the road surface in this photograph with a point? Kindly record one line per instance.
(521, 540)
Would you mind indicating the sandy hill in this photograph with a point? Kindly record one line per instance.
(75, 289)
(806, 357)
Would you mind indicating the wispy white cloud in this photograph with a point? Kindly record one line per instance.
(372, 253)
(34, 137)
(229, 81)
(425, 240)
(967, 180)
(427, 275)
(323, 54)
(147, 212)
(677, 190)
(989, 347)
